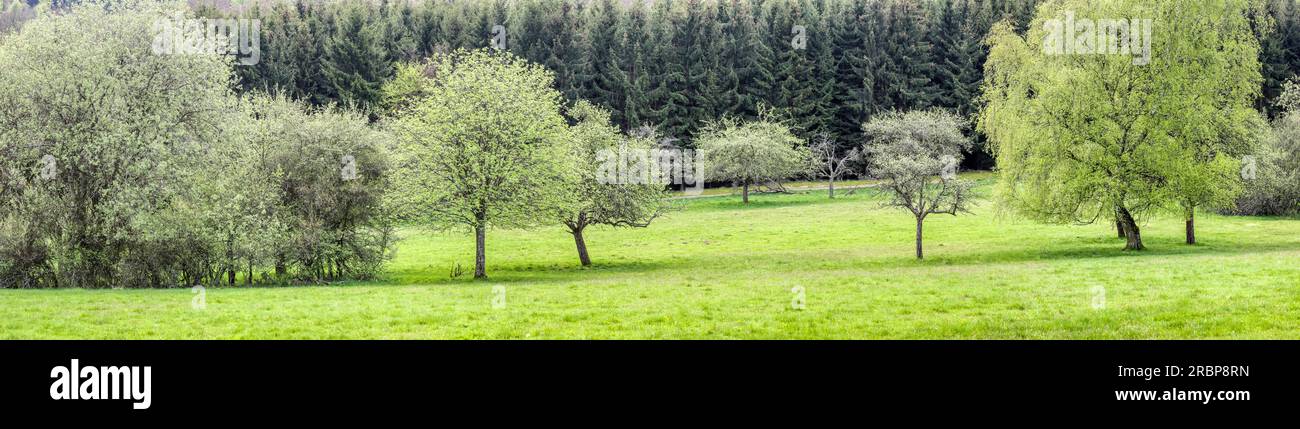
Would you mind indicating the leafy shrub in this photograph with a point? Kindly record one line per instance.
(1274, 185)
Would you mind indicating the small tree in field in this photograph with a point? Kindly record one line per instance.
(752, 153)
(827, 163)
(483, 145)
(607, 202)
(916, 155)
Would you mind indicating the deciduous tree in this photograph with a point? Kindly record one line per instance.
(603, 200)
(751, 153)
(1108, 129)
(485, 146)
(916, 155)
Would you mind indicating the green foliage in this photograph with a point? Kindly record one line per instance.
(126, 167)
(1274, 185)
(604, 202)
(484, 147)
(598, 200)
(1103, 136)
(1272, 173)
(100, 135)
(327, 173)
(916, 155)
(751, 153)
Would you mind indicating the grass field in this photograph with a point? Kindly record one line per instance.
(717, 269)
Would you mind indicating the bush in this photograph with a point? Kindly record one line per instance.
(120, 167)
(99, 134)
(1275, 187)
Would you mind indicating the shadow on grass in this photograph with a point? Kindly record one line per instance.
(1092, 249)
(532, 274)
(1095, 249)
(782, 200)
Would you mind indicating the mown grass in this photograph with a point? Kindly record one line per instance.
(717, 269)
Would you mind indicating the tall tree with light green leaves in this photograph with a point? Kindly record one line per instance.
(1082, 135)
(483, 146)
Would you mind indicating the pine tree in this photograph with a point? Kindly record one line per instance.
(854, 28)
(701, 34)
(356, 63)
(399, 35)
(821, 46)
(606, 84)
(795, 96)
(312, 79)
(666, 99)
(751, 57)
(905, 79)
(632, 37)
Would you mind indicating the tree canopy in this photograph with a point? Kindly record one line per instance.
(483, 145)
(916, 155)
(1096, 133)
(599, 201)
(751, 153)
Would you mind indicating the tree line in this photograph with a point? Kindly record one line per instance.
(825, 65)
(676, 64)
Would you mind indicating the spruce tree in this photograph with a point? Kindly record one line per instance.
(356, 63)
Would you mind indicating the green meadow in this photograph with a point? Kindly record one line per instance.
(785, 266)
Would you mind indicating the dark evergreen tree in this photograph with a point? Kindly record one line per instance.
(666, 106)
(701, 35)
(905, 79)
(854, 27)
(356, 63)
(751, 58)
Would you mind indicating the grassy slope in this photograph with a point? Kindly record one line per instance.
(720, 270)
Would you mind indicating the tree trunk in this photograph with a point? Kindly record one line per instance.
(1191, 226)
(744, 193)
(230, 276)
(480, 254)
(582, 247)
(281, 267)
(919, 254)
(1119, 228)
(1132, 235)
(831, 187)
